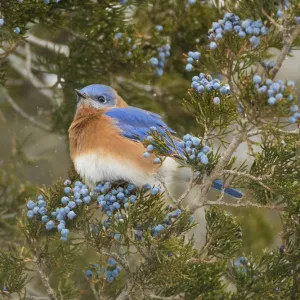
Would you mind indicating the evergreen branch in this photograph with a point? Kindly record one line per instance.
(272, 20)
(295, 132)
(129, 282)
(34, 298)
(296, 274)
(44, 277)
(22, 113)
(95, 293)
(238, 205)
(177, 297)
(123, 262)
(124, 295)
(285, 29)
(249, 176)
(288, 41)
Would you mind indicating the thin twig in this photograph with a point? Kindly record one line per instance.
(166, 190)
(272, 20)
(177, 297)
(246, 204)
(185, 193)
(273, 130)
(249, 176)
(34, 298)
(285, 50)
(22, 113)
(95, 293)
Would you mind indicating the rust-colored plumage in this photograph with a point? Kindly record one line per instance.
(92, 132)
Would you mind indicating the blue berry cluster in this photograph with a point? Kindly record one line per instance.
(169, 219)
(111, 200)
(277, 91)
(166, 222)
(192, 57)
(159, 63)
(204, 82)
(74, 198)
(110, 272)
(193, 149)
(242, 28)
(150, 148)
(190, 147)
(269, 65)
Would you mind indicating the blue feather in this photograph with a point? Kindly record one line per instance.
(135, 124)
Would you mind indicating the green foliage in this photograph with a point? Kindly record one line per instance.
(12, 271)
(164, 263)
(223, 237)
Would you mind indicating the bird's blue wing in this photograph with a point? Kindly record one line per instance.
(136, 124)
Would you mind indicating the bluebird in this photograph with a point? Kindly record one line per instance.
(106, 141)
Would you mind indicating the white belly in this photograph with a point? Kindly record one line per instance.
(94, 168)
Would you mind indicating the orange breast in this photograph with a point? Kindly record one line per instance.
(93, 132)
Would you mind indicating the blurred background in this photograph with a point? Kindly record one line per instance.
(66, 45)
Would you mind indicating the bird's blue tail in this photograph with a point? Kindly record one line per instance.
(218, 184)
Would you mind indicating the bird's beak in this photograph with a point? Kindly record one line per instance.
(80, 94)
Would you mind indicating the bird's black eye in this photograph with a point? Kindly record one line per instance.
(101, 99)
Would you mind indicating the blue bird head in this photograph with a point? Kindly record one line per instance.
(97, 95)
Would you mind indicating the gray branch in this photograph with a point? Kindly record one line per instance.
(22, 113)
(246, 204)
(287, 42)
(45, 279)
(57, 48)
(295, 132)
(217, 171)
(21, 66)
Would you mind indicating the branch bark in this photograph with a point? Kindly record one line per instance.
(217, 171)
(22, 113)
(273, 130)
(287, 42)
(21, 66)
(246, 204)
(45, 279)
(57, 48)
